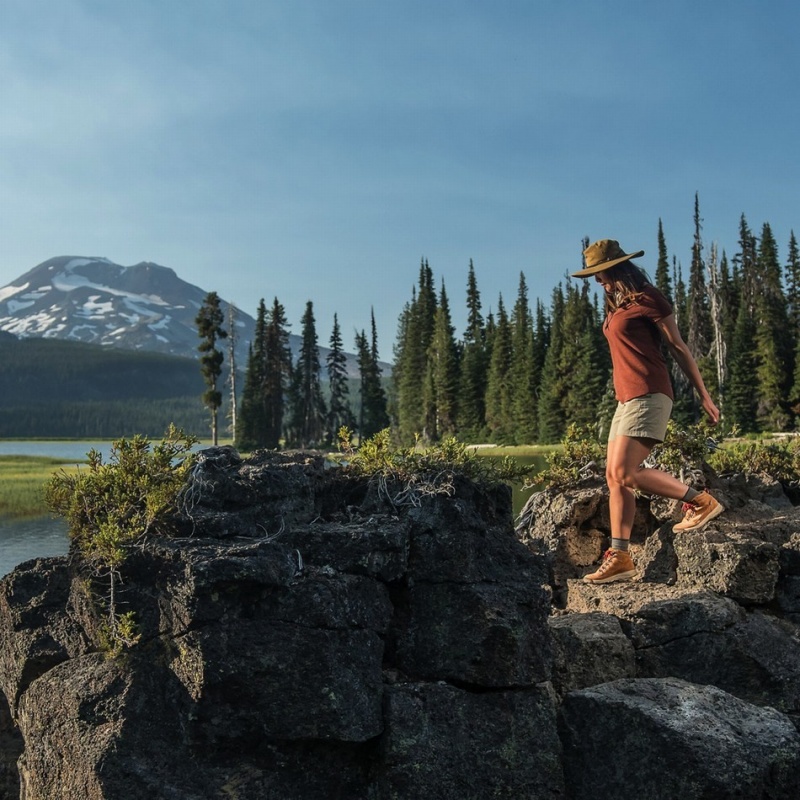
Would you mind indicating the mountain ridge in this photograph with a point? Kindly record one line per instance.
(145, 306)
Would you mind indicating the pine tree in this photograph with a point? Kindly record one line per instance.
(552, 419)
(441, 385)
(413, 351)
(378, 416)
(699, 318)
(793, 287)
(277, 373)
(740, 397)
(233, 340)
(793, 299)
(308, 413)
(662, 278)
(471, 408)
(524, 376)
(252, 430)
(373, 416)
(498, 386)
(772, 355)
(340, 414)
(580, 364)
(210, 320)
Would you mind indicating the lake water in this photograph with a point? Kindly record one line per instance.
(22, 540)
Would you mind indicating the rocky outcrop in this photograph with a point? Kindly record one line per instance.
(309, 634)
(707, 629)
(304, 635)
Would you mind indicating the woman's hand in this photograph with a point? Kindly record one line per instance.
(711, 410)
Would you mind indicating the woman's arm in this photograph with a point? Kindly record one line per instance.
(684, 358)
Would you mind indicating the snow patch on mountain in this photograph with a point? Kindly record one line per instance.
(11, 290)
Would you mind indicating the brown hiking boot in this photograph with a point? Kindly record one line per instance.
(617, 566)
(699, 512)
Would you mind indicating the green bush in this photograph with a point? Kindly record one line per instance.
(581, 454)
(109, 507)
(405, 475)
(780, 460)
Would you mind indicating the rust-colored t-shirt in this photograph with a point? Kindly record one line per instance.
(635, 342)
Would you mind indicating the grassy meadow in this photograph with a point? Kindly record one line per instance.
(22, 480)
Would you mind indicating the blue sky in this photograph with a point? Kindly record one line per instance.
(318, 149)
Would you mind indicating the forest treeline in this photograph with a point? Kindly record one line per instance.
(522, 374)
(63, 389)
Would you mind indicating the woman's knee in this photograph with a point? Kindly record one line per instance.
(618, 474)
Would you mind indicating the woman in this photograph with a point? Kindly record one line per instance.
(638, 319)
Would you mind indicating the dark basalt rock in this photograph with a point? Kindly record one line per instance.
(285, 628)
(310, 634)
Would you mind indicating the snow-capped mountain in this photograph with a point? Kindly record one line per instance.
(143, 307)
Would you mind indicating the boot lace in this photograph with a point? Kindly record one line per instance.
(689, 510)
(608, 560)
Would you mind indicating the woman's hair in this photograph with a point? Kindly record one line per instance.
(629, 280)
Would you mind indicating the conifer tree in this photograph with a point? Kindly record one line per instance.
(551, 416)
(524, 376)
(379, 416)
(401, 354)
(579, 368)
(793, 287)
(662, 277)
(699, 320)
(252, 430)
(441, 385)
(772, 355)
(232, 366)
(373, 416)
(793, 300)
(340, 414)
(740, 397)
(210, 320)
(471, 408)
(277, 373)
(307, 420)
(413, 351)
(498, 386)
(541, 341)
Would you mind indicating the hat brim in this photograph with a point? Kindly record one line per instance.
(606, 265)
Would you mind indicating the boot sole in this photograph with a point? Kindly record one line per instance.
(713, 515)
(620, 576)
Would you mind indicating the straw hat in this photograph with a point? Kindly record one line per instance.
(604, 254)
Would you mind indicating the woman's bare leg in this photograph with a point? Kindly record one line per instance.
(625, 475)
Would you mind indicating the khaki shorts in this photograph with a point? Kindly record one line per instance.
(645, 417)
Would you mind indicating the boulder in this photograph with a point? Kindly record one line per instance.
(589, 649)
(734, 565)
(666, 738)
(443, 743)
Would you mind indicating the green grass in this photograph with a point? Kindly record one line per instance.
(515, 451)
(22, 479)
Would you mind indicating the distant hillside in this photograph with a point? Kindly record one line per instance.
(53, 388)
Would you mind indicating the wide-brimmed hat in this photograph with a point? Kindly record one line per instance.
(604, 254)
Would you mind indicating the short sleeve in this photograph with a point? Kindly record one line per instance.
(657, 305)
